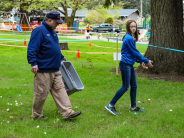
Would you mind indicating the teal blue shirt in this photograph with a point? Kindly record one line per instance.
(129, 53)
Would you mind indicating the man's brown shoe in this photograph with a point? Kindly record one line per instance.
(75, 114)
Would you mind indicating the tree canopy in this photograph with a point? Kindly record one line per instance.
(48, 5)
(131, 4)
(100, 14)
(135, 4)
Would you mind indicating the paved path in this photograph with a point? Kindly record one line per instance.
(93, 38)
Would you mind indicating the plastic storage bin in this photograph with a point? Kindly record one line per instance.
(70, 78)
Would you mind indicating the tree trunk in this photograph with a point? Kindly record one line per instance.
(63, 45)
(69, 19)
(167, 32)
(23, 7)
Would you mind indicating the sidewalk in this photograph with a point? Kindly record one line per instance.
(82, 37)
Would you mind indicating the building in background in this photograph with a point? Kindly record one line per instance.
(38, 15)
(123, 14)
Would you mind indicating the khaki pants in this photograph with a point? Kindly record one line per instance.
(50, 82)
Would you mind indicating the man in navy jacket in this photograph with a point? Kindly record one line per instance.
(45, 57)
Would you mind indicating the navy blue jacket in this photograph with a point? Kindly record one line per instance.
(44, 50)
(129, 53)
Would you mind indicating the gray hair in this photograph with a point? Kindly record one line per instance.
(46, 18)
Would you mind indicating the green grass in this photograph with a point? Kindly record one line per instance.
(100, 85)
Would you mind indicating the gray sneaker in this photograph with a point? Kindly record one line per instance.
(137, 109)
(111, 109)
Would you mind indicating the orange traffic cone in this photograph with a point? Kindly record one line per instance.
(78, 54)
(24, 42)
(89, 43)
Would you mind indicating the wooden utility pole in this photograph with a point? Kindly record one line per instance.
(116, 56)
(141, 12)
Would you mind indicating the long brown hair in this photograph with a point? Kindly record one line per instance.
(128, 29)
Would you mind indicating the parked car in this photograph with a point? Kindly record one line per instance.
(105, 27)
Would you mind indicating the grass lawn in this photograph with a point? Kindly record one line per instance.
(163, 117)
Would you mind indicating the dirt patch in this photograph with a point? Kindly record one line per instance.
(166, 77)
